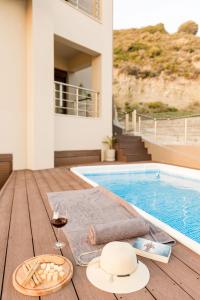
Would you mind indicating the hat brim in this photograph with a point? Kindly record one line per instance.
(120, 285)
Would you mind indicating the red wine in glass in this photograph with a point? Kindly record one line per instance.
(59, 223)
(59, 220)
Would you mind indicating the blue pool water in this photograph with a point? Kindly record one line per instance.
(171, 199)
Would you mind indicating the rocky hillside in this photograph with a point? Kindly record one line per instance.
(151, 65)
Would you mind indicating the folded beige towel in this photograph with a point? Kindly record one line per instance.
(118, 230)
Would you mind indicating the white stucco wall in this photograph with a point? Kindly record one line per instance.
(29, 128)
(56, 17)
(83, 77)
(73, 133)
(40, 88)
(13, 80)
(78, 133)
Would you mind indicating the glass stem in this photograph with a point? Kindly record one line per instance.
(58, 237)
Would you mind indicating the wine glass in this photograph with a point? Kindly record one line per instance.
(59, 219)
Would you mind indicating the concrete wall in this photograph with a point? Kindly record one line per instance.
(13, 80)
(183, 155)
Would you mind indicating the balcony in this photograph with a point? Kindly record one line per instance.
(76, 101)
(89, 7)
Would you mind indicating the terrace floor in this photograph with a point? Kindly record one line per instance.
(25, 230)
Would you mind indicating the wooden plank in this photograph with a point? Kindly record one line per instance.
(177, 270)
(6, 200)
(77, 153)
(62, 158)
(161, 286)
(77, 181)
(83, 287)
(143, 294)
(20, 245)
(70, 183)
(191, 259)
(75, 160)
(43, 235)
(66, 179)
(5, 157)
(5, 168)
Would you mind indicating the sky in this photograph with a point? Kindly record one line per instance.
(139, 13)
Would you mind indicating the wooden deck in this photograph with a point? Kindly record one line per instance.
(25, 230)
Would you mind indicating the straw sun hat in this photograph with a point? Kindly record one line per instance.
(117, 270)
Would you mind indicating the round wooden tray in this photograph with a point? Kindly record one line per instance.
(45, 287)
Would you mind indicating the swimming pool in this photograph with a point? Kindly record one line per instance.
(166, 195)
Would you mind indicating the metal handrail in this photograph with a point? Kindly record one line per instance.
(169, 118)
(180, 133)
(76, 103)
(75, 86)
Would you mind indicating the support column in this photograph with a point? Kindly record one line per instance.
(40, 90)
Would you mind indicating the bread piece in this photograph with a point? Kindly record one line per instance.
(60, 268)
(61, 274)
(43, 266)
(55, 276)
(48, 267)
(49, 277)
(43, 276)
(51, 265)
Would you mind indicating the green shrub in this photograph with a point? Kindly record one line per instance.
(154, 28)
(155, 51)
(137, 46)
(158, 107)
(138, 73)
(193, 107)
(189, 27)
(128, 107)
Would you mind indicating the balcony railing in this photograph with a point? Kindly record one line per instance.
(90, 7)
(76, 101)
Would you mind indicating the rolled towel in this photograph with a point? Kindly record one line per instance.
(118, 230)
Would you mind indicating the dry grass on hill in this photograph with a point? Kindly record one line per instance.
(151, 51)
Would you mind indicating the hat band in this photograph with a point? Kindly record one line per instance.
(111, 276)
(123, 275)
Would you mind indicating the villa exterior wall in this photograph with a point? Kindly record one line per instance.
(31, 130)
(75, 133)
(13, 80)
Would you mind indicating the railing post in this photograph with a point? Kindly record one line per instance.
(134, 116)
(95, 8)
(77, 3)
(126, 122)
(139, 124)
(86, 108)
(77, 101)
(155, 129)
(115, 114)
(96, 105)
(185, 131)
(60, 95)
